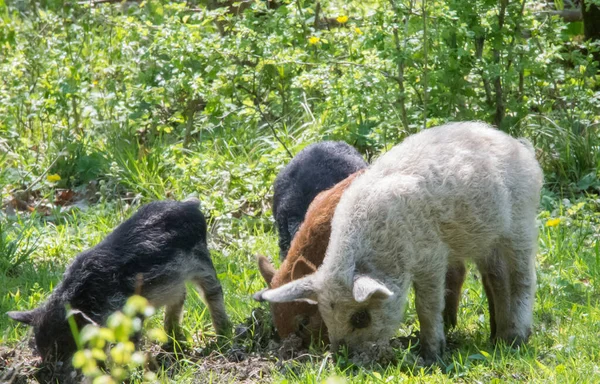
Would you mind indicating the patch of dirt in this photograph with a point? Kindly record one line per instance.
(377, 353)
(21, 366)
(250, 357)
(16, 365)
(257, 334)
(255, 352)
(289, 348)
(217, 368)
(212, 365)
(382, 353)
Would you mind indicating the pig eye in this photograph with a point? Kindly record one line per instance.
(360, 319)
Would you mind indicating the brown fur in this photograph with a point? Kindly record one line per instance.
(304, 257)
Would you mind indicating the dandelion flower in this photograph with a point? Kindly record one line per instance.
(552, 222)
(53, 178)
(342, 19)
(313, 40)
(358, 31)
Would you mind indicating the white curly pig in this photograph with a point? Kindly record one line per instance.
(455, 192)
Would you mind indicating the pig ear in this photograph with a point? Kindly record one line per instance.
(81, 319)
(365, 288)
(302, 267)
(25, 317)
(266, 269)
(298, 290)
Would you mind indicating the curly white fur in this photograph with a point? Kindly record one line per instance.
(458, 191)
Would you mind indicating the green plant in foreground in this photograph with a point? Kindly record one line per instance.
(122, 360)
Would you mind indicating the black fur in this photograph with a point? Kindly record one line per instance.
(316, 168)
(164, 244)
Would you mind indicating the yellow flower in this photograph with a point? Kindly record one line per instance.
(552, 222)
(313, 40)
(342, 19)
(53, 178)
(358, 31)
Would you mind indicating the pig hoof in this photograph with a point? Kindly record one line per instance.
(429, 358)
(513, 339)
(431, 354)
(172, 345)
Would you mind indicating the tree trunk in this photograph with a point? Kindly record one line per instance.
(500, 107)
(591, 24)
(591, 20)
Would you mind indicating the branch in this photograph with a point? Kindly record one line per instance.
(568, 15)
(329, 22)
(479, 41)
(193, 106)
(400, 51)
(500, 109)
(317, 11)
(96, 2)
(272, 128)
(265, 118)
(350, 63)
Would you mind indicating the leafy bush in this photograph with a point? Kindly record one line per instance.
(109, 83)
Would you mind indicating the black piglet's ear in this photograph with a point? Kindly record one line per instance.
(25, 317)
(81, 319)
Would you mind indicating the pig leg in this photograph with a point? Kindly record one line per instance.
(521, 265)
(285, 238)
(495, 277)
(173, 314)
(455, 278)
(490, 299)
(212, 293)
(429, 301)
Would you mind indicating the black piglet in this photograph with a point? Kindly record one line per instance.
(156, 251)
(316, 168)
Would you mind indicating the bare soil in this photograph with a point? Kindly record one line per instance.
(20, 366)
(253, 354)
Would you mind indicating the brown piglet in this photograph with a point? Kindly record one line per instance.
(306, 254)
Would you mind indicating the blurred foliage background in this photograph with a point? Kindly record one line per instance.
(125, 97)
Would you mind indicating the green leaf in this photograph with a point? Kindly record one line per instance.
(574, 28)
